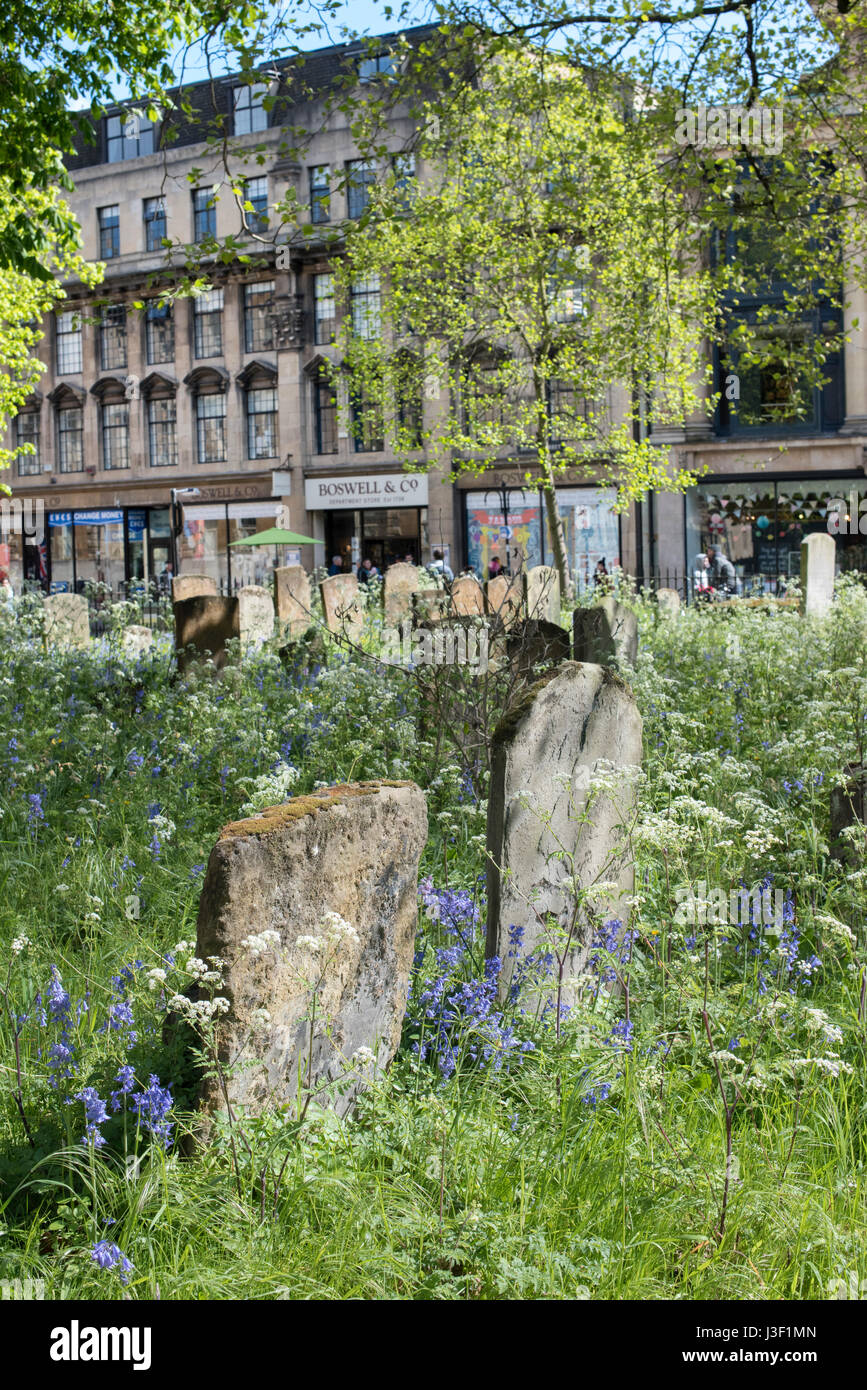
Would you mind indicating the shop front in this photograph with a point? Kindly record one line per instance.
(760, 524)
(382, 517)
(498, 517)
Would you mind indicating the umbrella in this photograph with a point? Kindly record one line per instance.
(275, 535)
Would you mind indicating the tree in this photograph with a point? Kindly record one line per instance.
(536, 278)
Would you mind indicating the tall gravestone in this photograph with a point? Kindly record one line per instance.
(293, 602)
(255, 617)
(334, 876)
(193, 586)
(505, 599)
(468, 597)
(543, 593)
(342, 607)
(401, 582)
(67, 624)
(818, 557)
(136, 640)
(668, 603)
(574, 723)
(606, 634)
(206, 624)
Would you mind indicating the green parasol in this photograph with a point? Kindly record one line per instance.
(276, 536)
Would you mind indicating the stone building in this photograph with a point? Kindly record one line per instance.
(161, 434)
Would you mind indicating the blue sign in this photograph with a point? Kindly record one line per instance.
(98, 518)
(136, 520)
(60, 518)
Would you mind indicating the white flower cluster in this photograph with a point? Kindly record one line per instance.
(260, 942)
(19, 944)
(819, 1022)
(831, 1065)
(156, 979)
(336, 929)
(270, 789)
(206, 973)
(199, 1011)
(364, 1057)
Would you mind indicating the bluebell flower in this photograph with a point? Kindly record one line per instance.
(109, 1256)
(95, 1114)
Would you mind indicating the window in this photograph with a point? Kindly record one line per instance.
(109, 233)
(379, 65)
(250, 113)
(360, 178)
(27, 432)
(364, 306)
(261, 423)
(258, 302)
(408, 400)
(155, 223)
(112, 337)
(162, 432)
(129, 136)
(70, 439)
(483, 391)
(68, 327)
(403, 168)
(256, 194)
(208, 320)
(115, 434)
(211, 427)
(367, 427)
(567, 288)
(320, 193)
(159, 334)
(325, 414)
(569, 411)
(204, 214)
(324, 322)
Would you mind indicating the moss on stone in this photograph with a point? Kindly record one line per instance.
(273, 818)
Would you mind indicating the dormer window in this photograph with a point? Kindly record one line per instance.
(249, 107)
(373, 67)
(128, 136)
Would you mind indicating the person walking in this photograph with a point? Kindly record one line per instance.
(439, 569)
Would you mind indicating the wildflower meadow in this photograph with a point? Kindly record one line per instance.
(691, 1126)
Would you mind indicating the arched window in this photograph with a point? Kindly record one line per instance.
(68, 403)
(113, 422)
(208, 385)
(259, 383)
(27, 425)
(158, 391)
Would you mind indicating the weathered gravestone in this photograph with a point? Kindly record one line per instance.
(293, 602)
(135, 640)
(606, 634)
(818, 556)
(534, 644)
(468, 597)
(335, 876)
(342, 606)
(255, 617)
(67, 624)
(543, 593)
(668, 603)
(401, 582)
(192, 586)
(205, 623)
(505, 599)
(430, 605)
(574, 723)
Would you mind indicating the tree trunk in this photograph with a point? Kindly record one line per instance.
(555, 522)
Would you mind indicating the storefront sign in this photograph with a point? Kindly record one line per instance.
(370, 490)
(92, 518)
(136, 519)
(235, 492)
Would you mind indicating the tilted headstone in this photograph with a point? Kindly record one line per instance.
(818, 556)
(255, 617)
(668, 603)
(505, 599)
(293, 601)
(135, 640)
(67, 625)
(543, 593)
(401, 582)
(192, 586)
(534, 644)
(468, 597)
(577, 722)
(205, 623)
(606, 634)
(342, 607)
(352, 851)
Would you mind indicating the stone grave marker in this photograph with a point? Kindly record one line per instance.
(341, 604)
(255, 617)
(193, 586)
(818, 556)
(293, 601)
(399, 585)
(543, 593)
(606, 634)
(206, 623)
(468, 597)
(67, 625)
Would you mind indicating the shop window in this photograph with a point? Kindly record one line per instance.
(258, 308)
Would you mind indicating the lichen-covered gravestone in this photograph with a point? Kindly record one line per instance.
(255, 617)
(67, 625)
(534, 644)
(606, 634)
(818, 559)
(205, 623)
(312, 906)
(401, 582)
(342, 607)
(505, 600)
(668, 603)
(543, 593)
(293, 602)
(578, 723)
(135, 640)
(193, 586)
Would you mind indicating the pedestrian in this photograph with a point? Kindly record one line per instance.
(366, 571)
(494, 568)
(439, 569)
(336, 566)
(721, 573)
